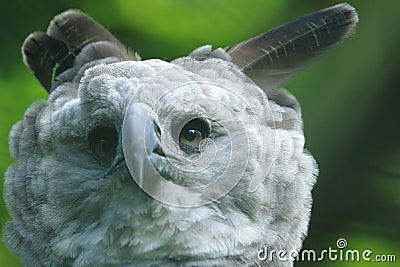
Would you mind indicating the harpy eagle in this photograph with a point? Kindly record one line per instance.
(195, 162)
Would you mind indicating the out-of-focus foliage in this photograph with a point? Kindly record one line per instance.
(350, 99)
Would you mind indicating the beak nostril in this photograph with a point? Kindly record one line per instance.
(158, 150)
(157, 130)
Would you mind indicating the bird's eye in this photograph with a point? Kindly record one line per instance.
(103, 142)
(193, 133)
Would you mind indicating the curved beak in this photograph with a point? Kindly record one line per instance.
(140, 139)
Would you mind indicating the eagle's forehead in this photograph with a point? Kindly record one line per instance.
(199, 87)
(103, 93)
(104, 82)
(164, 86)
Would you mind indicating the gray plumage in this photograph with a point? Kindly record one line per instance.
(71, 195)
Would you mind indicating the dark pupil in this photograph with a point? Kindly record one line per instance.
(103, 142)
(105, 146)
(190, 135)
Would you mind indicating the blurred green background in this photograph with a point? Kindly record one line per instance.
(350, 98)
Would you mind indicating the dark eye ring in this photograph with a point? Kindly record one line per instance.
(193, 133)
(103, 141)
